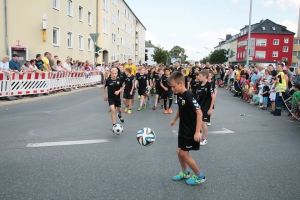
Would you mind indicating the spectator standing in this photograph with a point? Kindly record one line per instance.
(253, 77)
(51, 63)
(272, 70)
(33, 67)
(67, 65)
(46, 63)
(26, 67)
(279, 88)
(295, 103)
(39, 62)
(265, 94)
(4, 65)
(14, 64)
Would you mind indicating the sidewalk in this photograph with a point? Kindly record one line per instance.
(5, 103)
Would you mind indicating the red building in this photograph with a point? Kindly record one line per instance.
(269, 43)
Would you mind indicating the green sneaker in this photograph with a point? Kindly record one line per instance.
(195, 180)
(126, 110)
(139, 109)
(145, 106)
(181, 176)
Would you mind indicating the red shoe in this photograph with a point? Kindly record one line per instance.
(166, 112)
(170, 110)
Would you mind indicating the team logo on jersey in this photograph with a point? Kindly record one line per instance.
(118, 82)
(205, 89)
(183, 102)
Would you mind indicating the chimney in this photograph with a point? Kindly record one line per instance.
(150, 41)
(228, 36)
(298, 33)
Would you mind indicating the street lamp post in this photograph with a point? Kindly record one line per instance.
(249, 33)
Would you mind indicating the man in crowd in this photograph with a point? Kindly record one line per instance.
(272, 70)
(14, 64)
(39, 62)
(67, 65)
(131, 66)
(46, 65)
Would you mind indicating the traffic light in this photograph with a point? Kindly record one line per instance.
(97, 51)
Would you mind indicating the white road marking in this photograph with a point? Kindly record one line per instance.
(66, 143)
(223, 131)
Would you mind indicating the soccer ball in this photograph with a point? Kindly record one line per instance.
(145, 136)
(117, 129)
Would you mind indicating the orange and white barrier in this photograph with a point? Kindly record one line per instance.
(34, 83)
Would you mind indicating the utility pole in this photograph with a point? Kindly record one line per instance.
(249, 34)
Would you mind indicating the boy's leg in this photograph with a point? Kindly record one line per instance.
(189, 161)
(112, 114)
(118, 106)
(181, 160)
(170, 95)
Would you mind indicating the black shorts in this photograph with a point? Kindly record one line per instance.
(231, 80)
(166, 94)
(205, 117)
(158, 91)
(187, 143)
(127, 95)
(115, 102)
(142, 91)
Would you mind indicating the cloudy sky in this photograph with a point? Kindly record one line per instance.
(195, 24)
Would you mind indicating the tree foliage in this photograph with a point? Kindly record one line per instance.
(176, 51)
(160, 55)
(217, 56)
(205, 59)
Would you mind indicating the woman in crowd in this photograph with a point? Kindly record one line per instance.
(26, 69)
(4, 66)
(33, 67)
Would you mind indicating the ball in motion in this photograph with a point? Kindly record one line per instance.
(117, 129)
(145, 136)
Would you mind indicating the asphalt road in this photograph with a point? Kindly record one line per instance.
(260, 160)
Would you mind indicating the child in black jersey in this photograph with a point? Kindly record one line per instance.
(214, 88)
(189, 136)
(194, 84)
(167, 91)
(186, 79)
(204, 97)
(142, 83)
(158, 88)
(128, 91)
(114, 88)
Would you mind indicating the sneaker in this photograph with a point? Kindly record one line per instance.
(140, 108)
(195, 180)
(175, 101)
(208, 123)
(145, 106)
(170, 110)
(181, 176)
(129, 112)
(149, 102)
(161, 106)
(166, 112)
(154, 108)
(121, 119)
(203, 142)
(126, 110)
(139, 96)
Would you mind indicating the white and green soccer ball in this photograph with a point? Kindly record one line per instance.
(145, 136)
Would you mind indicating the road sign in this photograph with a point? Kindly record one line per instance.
(94, 36)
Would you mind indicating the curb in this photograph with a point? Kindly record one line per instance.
(4, 103)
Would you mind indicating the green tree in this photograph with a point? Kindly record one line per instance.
(218, 56)
(178, 52)
(205, 59)
(160, 55)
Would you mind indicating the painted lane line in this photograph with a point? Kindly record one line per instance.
(223, 131)
(66, 143)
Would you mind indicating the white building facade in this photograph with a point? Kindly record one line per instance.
(150, 51)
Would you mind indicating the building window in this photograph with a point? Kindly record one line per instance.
(275, 54)
(296, 53)
(261, 42)
(89, 44)
(285, 49)
(244, 54)
(297, 41)
(114, 2)
(273, 28)
(260, 54)
(276, 41)
(284, 59)
(56, 4)
(286, 40)
(80, 42)
(56, 36)
(70, 8)
(113, 18)
(89, 18)
(80, 13)
(105, 26)
(70, 40)
(263, 28)
(105, 5)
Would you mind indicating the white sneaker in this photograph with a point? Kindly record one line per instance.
(175, 101)
(208, 123)
(203, 142)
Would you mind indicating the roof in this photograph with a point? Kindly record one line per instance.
(149, 45)
(269, 27)
(134, 14)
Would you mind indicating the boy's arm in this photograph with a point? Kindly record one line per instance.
(175, 118)
(197, 136)
(132, 88)
(104, 93)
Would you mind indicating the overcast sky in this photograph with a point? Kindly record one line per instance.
(194, 24)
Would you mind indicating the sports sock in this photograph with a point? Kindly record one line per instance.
(165, 104)
(186, 171)
(199, 174)
(170, 102)
(114, 124)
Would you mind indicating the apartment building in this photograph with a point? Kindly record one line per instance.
(122, 35)
(61, 27)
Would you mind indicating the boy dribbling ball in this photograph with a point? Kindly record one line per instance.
(128, 91)
(190, 119)
(114, 87)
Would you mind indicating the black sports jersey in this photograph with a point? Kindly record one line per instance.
(112, 86)
(142, 80)
(187, 106)
(122, 76)
(194, 86)
(129, 81)
(186, 80)
(212, 85)
(177, 69)
(203, 95)
(193, 69)
(157, 79)
(164, 81)
(192, 75)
